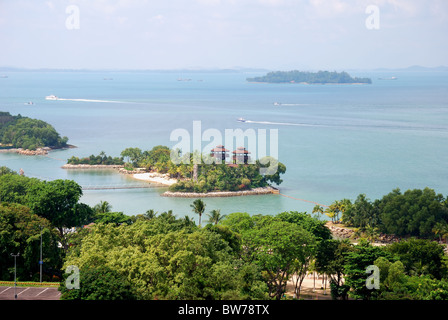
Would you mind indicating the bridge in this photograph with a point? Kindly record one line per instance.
(118, 187)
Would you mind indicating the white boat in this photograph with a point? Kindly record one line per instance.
(29, 103)
(277, 104)
(51, 97)
(241, 120)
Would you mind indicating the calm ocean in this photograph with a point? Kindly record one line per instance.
(337, 141)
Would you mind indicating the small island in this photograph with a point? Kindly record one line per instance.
(28, 136)
(217, 174)
(320, 77)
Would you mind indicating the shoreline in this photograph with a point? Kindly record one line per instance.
(216, 194)
(164, 180)
(38, 152)
(91, 166)
(155, 177)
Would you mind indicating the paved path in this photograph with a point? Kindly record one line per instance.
(29, 293)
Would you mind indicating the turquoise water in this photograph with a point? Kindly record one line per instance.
(337, 141)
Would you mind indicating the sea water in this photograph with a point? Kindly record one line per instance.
(337, 141)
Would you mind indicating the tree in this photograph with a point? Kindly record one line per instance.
(57, 201)
(134, 155)
(20, 231)
(414, 213)
(198, 207)
(99, 283)
(215, 216)
(165, 260)
(441, 229)
(356, 263)
(318, 209)
(102, 207)
(330, 259)
(313, 225)
(273, 168)
(421, 257)
(277, 248)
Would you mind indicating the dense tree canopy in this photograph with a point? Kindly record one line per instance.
(412, 213)
(27, 133)
(20, 231)
(320, 77)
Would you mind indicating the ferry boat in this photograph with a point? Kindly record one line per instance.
(241, 120)
(51, 97)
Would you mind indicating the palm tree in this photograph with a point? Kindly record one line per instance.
(198, 207)
(150, 214)
(102, 207)
(318, 209)
(215, 216)
(441, 229)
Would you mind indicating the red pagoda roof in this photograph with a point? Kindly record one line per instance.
(219, 148)
(241, 150)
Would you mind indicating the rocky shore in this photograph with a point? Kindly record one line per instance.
(26, 152)
(91, 166)
(341, 232)
(256, 191)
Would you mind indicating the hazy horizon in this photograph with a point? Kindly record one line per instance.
(223, 34)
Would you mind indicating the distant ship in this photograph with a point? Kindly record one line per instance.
(29, 103)
(277, 104)
(241, 120)
(51, 97)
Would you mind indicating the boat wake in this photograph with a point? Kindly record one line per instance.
(364, 126)
(286, 123)
(90, 100)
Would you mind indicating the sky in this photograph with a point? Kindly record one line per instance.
(268, 34)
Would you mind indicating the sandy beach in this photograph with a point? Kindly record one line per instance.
(155, 178)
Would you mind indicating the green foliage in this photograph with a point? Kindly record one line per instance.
(313, 225)
(415, 212)
(421, 257)
(239, 221)
(27, 133)
(56, 201)
(319, 77)
(163, 260)
(134, 155)
(277, 248)
(356, 263)
(331, 256)
(20, 233)
(99, 283)
(101, 159)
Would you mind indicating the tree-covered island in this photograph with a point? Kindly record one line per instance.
(23, 132)
(320, 77)
(192, 176)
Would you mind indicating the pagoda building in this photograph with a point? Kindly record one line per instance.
(241, 156)
(220, 154)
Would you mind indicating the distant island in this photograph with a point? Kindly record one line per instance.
(320, 77)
